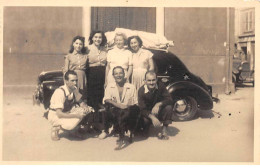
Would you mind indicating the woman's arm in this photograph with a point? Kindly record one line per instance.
(107, 71)
(130, 66)
(66, 64)
(129, 72)
(151, 64)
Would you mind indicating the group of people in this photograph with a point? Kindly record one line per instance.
(122, 77)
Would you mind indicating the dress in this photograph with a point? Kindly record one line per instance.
(78, 63)
(140, 66)
(96, 72)
(118, 57)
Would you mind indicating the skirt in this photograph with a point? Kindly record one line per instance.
(138, 77)
(95, 85)
(82, 83)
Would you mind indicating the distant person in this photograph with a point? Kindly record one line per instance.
(122, 99)
(66, 107)
(96, 70)
(142, 61)
(155, 105)
(76, 60)
(119, 56)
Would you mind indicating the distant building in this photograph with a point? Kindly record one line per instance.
(245, 35)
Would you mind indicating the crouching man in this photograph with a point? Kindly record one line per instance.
(121, 106)
(155, 105)
(66, 107)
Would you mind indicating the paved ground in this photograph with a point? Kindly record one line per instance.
(225, 134)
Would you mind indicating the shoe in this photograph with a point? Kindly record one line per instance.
(103, 135)
(128, 133)
(55, 134)
(163, 135)
(120, 144)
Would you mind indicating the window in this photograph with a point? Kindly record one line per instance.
(248, 21)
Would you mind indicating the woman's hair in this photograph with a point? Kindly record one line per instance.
(92, 34)
(140, 42)
(82, 39)
(122, 35)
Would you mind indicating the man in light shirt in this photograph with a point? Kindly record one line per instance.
(66, 107)
(121, 97)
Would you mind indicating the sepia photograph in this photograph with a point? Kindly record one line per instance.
(129, 84)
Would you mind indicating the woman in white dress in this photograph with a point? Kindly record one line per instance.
(119, 56)
(142, 60)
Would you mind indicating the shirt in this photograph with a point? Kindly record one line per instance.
(97, 57)
(119, 57)
(141, 59)
(58, 98)
(75, 61)
(129, 95)
(147, 99)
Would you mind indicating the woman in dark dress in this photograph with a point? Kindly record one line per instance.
(97, 60)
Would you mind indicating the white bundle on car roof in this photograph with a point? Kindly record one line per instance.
(150, 40)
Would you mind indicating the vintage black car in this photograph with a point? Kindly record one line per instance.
(188, 91)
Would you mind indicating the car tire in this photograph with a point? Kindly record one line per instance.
(189, 112)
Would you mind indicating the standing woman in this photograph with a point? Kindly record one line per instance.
(142, 60)
(119, 56)
(77, 60)
(97, 61)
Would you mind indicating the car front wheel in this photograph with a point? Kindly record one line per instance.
(184, 108)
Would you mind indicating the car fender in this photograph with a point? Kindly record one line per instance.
(187, 88)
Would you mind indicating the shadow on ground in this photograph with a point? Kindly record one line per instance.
(206, 114)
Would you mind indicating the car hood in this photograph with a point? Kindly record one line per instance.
(51, 76)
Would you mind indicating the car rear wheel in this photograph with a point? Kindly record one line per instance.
(184, 108)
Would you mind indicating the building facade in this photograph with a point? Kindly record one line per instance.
(245, 35)
(203, 37)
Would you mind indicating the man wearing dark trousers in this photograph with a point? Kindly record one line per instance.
(121, 97)
(155, 104)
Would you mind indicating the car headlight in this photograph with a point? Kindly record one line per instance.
(41, 87)
(50, 87)
(164, 80)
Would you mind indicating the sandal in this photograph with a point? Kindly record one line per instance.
(163, 136)
(120, 144)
